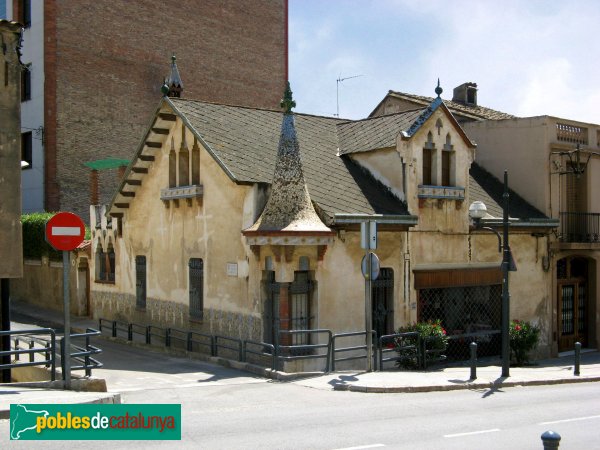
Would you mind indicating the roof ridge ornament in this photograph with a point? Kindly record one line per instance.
(173, 86)
(438, 89)
(287, 102)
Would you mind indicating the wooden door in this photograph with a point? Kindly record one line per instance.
(572, 312)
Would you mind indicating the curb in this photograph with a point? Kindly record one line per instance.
(456, 387)
(108, 399)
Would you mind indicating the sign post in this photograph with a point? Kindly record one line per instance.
(65, 231)
(370, 270)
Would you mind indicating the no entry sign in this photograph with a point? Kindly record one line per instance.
(65, 231)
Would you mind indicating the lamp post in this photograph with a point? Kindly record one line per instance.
(477, 211)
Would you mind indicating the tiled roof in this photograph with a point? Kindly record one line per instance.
(245, 141)
(374, 133)
(474, 112)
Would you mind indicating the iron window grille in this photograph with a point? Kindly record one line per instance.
(196, 280)
(140, 282)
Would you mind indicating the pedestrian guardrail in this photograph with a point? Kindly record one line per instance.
(228, 343)
(263, 351)
(404, 346)
(82, 354)
(202, 340)
(155, 331)
(305, 351)
(361, 349)
(48, 352)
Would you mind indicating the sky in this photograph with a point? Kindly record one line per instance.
(528, 57)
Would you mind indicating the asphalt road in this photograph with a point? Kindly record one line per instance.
(274, 415)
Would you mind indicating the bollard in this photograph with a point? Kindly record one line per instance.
(577, 358)
(551, 440)
(473, 348)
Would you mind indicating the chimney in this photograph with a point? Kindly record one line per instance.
(466, 94)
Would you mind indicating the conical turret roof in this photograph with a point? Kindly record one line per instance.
(289, 208)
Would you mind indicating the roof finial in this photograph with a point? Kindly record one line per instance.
(173, 85)
(438, 89)
(287, 103)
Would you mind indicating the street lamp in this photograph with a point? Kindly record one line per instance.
(477, 212)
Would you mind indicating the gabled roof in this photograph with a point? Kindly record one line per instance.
(382, 131)
(474, 112)
(244, 142)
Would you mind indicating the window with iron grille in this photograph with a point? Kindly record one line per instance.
(300, 318)
(299, 307)
(382, 301)
(140, 282)
(468, 313)
(105, 265)
(196, 280)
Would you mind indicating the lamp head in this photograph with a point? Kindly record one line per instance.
(477, 210)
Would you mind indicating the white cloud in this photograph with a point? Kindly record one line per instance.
(528, 58)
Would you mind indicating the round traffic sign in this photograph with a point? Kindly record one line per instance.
(374, 266)
(65, 231)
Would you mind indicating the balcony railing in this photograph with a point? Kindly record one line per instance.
(579, 227)
(571, 133)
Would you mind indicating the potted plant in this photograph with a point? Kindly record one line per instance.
(523, 338)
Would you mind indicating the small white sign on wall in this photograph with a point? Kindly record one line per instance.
(232, 269)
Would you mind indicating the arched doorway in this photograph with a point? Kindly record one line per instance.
(572, 275)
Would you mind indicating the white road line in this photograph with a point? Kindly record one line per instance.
(569, 420)
(493, 430)
(362, 446)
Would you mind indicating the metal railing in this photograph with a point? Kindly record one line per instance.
(579, 227)
(225, 343)
(354, 348)
(262, 346)
(404, 346)
(389, 348)
(305, 351)
(48, 351)
(82, 354)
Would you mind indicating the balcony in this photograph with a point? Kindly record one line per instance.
(580, 227)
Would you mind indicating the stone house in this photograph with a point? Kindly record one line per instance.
(244, 221)
(553, 162)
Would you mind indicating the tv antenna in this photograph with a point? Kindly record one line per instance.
(337, 91)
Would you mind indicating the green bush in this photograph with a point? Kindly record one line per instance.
(523, 338)
(436, 340)
(34, 237)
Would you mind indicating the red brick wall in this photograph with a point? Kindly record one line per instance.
(112, 56)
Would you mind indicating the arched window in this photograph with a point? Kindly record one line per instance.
(428, 161)
(447, 157)
(172, 166)
(184, 161)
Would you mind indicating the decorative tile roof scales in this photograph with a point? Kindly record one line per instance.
(289, 207)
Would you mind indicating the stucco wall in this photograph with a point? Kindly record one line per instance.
(209, 228)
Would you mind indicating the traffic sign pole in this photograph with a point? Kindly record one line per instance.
(67, 307)
(368, 313)
(65, 231)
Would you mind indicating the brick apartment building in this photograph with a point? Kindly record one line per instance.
(96, 68)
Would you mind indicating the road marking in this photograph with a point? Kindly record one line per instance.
(493, 430)
(569, 420)
(362, 446)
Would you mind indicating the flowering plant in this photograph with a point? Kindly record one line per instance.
(523, 338)
(436, 341)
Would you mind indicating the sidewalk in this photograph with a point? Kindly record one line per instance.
(551, 371)
(546, 372)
